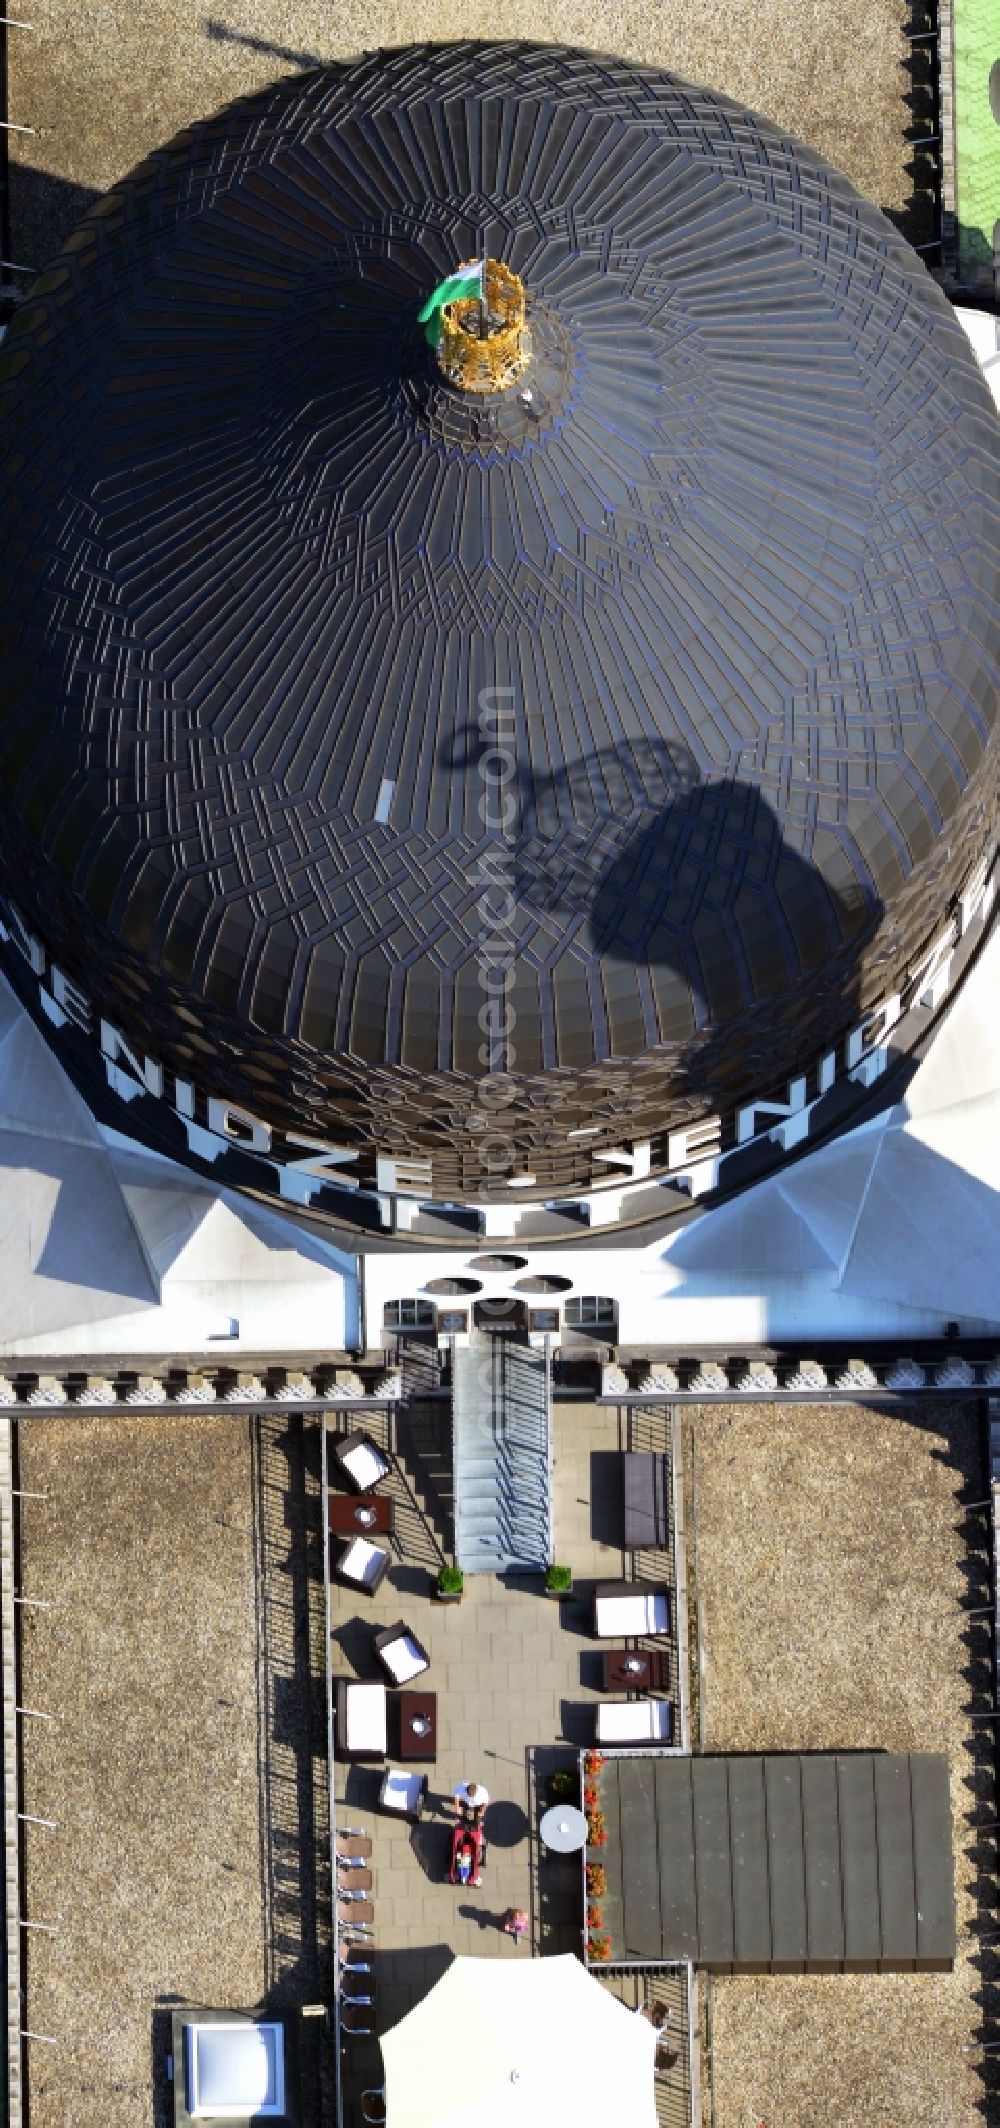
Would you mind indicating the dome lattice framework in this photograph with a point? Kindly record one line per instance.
(731, 567)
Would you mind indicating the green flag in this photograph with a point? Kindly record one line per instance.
(467, 281)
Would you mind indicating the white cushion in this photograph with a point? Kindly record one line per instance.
(360, 1560)
(365, 1464)
(632, 1613)
(403, 1658)
(401, 1791)
(636, 1721)
(366, 1719)
(235, 2070)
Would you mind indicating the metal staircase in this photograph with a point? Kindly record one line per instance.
(502, 1454)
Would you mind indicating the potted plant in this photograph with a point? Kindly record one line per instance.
(597, 1829)
(449, 1585)
(599, 1949)
(563, 1786)
(558, 1581)
(593, 1764)
(597, 1879)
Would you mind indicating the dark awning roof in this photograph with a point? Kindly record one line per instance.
(781, 1864)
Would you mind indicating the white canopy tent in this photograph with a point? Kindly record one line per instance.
(500, 2043)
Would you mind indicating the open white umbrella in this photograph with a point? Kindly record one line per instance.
(502, 2045)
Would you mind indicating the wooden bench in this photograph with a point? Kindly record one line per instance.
(644, 1489)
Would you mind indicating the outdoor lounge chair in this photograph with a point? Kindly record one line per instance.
(400, 1653)
(361, 1725)
(359, 1988)
(635, 1721)
(354, 1882)
(364, 1565)
(630, 1609)
(403, 1794)
(644, 1497)
(356, 1914)
(351, 1844)
(363, 1462)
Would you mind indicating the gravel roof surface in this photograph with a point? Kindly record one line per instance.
(833, 1559)
(153, 1878)
(104, 83)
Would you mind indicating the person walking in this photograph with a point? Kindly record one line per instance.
(515, 1923)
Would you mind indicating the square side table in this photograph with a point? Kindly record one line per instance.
(360, 1514)
(417, 1708)
(617, 1678)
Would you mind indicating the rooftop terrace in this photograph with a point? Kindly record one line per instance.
(517, 1676)
(837, 1566)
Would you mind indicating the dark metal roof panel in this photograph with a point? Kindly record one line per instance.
(783, 1863)
(821, 1837)
(678, 1885)
(786, 1864)
(933, 1862)
(859, 1863)
(612, 1904)
(713, 1860)
(640, 1868)
(751, 1891)
(897, 1892)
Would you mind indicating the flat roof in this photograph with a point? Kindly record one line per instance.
(818, 1863)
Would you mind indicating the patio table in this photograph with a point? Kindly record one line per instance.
(418, 1725)
(360, 1514)
(563, 1829)
(619, 1672)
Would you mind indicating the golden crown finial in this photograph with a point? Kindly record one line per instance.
(484, 345)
